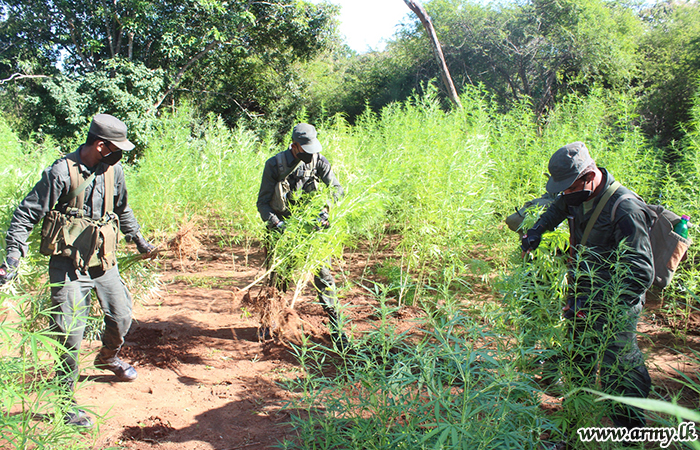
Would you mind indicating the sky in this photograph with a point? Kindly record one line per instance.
(368, 24)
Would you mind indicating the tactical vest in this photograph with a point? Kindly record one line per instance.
(66, 232)
(282, 194)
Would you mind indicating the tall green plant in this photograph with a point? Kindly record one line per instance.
(446, 391)
(32, 402)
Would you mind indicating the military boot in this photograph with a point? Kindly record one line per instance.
(108, 360)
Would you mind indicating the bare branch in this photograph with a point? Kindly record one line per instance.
(131, 44)
(83, 58)
(419, 11)
(20, 76)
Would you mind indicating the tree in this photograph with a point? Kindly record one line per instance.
(420, 12)
(190, 48)
(671, 68)
(539, 49)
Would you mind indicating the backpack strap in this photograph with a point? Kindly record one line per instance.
(282, 164)
(76, 196)
(606, 196)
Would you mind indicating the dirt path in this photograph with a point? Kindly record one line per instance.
(206, 382)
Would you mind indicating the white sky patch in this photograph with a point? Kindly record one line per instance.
(368, 24)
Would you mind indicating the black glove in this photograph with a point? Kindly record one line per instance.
(280, 227)
(531, 240)
(143, 245)
(322, 220)
(573, 309)
(8, 271)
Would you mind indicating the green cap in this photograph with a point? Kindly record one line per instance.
(566, 165)
(305, 135)
(111, 129)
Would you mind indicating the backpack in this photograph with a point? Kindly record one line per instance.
(668, 247)
(280, 194)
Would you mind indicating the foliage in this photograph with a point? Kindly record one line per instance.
(671, 68)
(20, 168)
(129, 57)
(33, 403)
(198, 168)
(446, 391)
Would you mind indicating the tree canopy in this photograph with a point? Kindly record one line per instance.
(271, 62)
(70, 59)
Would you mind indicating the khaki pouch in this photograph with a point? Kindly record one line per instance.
(81, 237)
(109, 236)
(279, 197)
(51, 233)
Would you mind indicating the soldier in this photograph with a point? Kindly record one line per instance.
(596, 311)
(298, 169)
(83, 200)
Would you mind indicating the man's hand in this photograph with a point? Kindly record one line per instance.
(573, 309)
(531, 240)
(8, 270)
(143, 246)
(322, 220)
(280, 227)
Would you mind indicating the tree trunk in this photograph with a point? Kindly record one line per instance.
(131, 44)
(418, 9)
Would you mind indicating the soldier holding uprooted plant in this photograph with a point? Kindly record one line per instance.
(610, 274)
(82, 200)
(286, 178)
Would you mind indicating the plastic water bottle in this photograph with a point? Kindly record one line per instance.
(682, 227)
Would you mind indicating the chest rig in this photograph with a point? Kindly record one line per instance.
(67, 232)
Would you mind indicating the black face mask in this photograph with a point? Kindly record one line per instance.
(306, 157)
(112, 158)
(578, 197)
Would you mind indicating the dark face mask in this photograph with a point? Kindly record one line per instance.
(578, 197)
(306, 157)
(112, 158)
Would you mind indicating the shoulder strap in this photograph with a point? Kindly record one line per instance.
(281, 164)
(109, 190)
(606, 196)
(77, 190)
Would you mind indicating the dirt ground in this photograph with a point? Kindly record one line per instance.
(205, 381)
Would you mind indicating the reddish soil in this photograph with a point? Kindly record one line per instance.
(206, 382)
